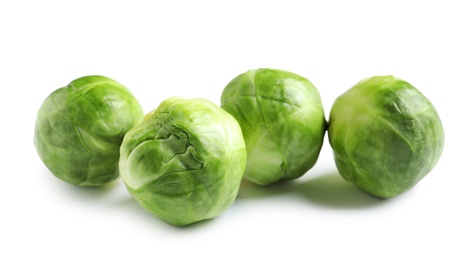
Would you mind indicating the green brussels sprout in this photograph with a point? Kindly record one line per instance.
(386, 136)
(282, 119)
(185, 161)
(80, 127)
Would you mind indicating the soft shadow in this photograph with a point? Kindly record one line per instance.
(331, 190)
(197, 225)
(129, 204)
(90, 193)
(250, 190)
(93, 192)
(328, 190)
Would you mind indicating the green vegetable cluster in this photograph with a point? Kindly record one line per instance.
(184, 161)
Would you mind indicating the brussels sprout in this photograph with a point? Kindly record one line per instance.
(185, 161)
(79, 129)
(385, 134)
(283, 123)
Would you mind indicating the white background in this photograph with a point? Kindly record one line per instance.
(160, 49)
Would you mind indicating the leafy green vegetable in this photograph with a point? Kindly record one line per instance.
(282, 119)
(185, 161)
(79, 129)
(385, 134)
